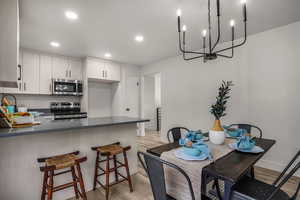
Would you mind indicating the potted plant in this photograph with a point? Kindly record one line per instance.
(216, 134)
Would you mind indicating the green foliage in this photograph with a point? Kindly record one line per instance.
(218, 109)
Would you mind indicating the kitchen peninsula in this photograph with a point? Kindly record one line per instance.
(20, 148)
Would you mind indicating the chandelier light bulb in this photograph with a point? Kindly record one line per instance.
(204, 32)
(184, 28)
(243, 1)
(232, 23)
(178, 12)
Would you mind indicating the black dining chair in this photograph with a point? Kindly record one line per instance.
(154, 166)
(252, 189)
(176, 133)
(248, 128)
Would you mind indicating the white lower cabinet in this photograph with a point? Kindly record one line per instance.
(45, 74)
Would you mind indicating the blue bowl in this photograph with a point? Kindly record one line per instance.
(191, 151)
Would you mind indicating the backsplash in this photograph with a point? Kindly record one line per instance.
(42, 101)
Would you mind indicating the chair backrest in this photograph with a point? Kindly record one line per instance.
(248, 128)
(176, 133)
(279, 183)
(154, 166)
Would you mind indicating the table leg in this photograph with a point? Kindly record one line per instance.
(227, 192)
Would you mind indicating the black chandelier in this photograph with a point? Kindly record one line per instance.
(211, 53)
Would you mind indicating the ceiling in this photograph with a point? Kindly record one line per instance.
(111, 25)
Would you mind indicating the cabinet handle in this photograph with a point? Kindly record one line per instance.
(50, 87)
(20, 72)
(24, 86)
(70, 73)
(20, 86)
(66, 73)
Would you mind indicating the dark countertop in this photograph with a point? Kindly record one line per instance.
(48, 125)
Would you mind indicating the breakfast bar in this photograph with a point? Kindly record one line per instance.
(20, 148)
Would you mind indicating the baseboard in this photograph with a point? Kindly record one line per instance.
(274, 166)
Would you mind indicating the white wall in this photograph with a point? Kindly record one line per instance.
(149, 102)
(266, 76)
(121, 90)
(157, 90)
(99, 99)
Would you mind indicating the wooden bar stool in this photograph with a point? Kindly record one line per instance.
(69, 160)
(110, 152)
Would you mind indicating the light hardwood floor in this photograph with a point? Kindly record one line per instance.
(142, 189)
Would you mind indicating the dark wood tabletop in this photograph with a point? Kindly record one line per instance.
(235, 164)
(231, 166)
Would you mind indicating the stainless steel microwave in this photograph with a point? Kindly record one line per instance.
(65, 87)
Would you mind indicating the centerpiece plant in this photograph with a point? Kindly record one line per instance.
(218, 109)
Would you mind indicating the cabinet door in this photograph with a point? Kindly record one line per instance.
(45, 74)
(113, 71)
(60, 68)
(95, 69)
(30, 73)
(19, 78)
(75, 68)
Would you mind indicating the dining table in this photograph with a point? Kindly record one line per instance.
(229, 168)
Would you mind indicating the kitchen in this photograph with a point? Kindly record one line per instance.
(104, 99)
(53, 104)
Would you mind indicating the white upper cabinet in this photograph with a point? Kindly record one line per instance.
(45, 74)
(75, 69)
(95, 69)
(30, 73)
(9, 42)
(60, 68)
(102, 70)
(113, 71)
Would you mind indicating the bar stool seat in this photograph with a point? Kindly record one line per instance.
(112, 149)
(109, 153)
(69, 161)
(62, 161)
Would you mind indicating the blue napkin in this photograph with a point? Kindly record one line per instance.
(199, 151)
(245, 143)
(194, 135)
(234, 133)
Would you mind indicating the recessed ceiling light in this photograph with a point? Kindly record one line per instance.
(139, 38)
(71, 15)
(54, 44)
(107, 55)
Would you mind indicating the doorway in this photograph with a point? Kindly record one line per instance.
(151, 102)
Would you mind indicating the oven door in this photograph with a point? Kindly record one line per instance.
(64, 87)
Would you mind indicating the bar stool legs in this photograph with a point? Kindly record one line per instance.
(74, 180)
(127, 171)
(109, 153)
(107, 171)
(71, 164)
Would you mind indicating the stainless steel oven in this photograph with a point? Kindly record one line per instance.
(67, 87)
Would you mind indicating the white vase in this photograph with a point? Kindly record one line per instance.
(216, 137)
